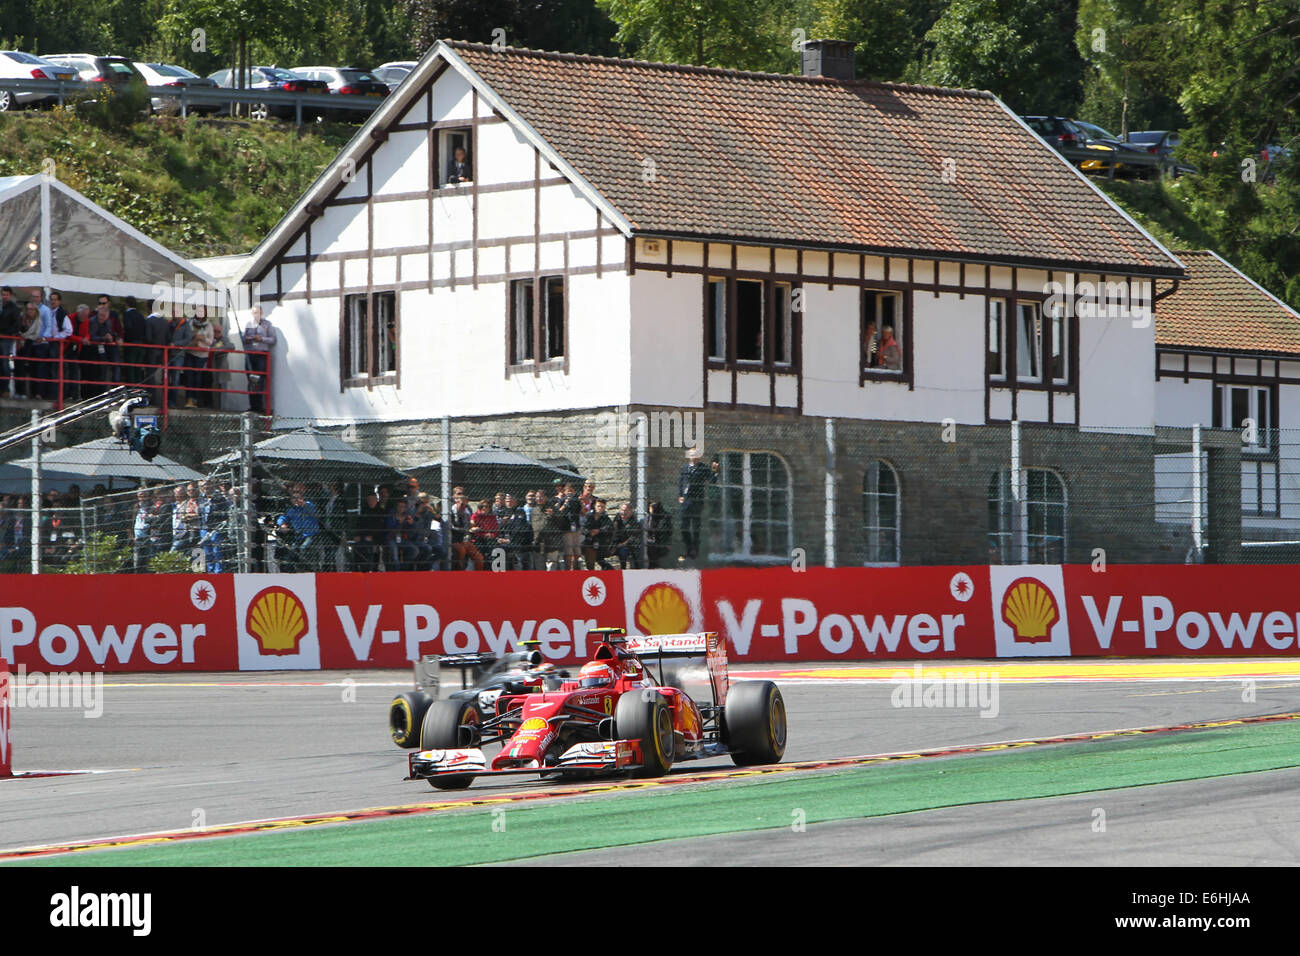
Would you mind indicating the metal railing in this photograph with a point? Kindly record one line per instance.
(78, 369)
(191, 97)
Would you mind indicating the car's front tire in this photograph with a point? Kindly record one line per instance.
(645, 717)
(450, 725)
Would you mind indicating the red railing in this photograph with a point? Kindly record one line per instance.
(69, 371)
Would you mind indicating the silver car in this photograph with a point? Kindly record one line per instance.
(168, 74)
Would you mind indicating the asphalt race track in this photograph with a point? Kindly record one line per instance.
(186, 751)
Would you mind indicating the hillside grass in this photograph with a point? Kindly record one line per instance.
(202, 187)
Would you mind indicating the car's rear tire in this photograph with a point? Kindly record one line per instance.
(259, 111)
(756, 724)
(405, 717)
(645, 717)
(7, 101)
(450, 725)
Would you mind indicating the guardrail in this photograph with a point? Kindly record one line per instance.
(191, 97)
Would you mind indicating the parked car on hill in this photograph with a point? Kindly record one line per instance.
(346, 81)
(1069, 139)
(1137, 161)
(1161, 143)
(168, 74)
(272, 78)
(16, 65)
(394, 73)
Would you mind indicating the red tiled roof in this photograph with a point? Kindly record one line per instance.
(1220, 308)
(813, 161)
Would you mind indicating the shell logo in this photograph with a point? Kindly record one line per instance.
(1030, 610)
(532, 724)
(662, 609)
(278, 620)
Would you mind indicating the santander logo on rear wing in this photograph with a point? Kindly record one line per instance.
(708, 643)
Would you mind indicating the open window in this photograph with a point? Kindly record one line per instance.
(370, 338)
(455, 147)
(1042, 345)
(537, 320)
(749, 321)
(884, 337)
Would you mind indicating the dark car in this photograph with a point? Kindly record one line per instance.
(1137, 160)
(273, 78)
(1070, 140)
(113, 71)
(484, 678)
(1161, 143)
(346, 81)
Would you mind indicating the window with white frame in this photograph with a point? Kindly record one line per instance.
(754, 518)
(995, 364)
(1042, 346)
(716, 320)
(370, 337)
(881, 514)
(1027, 523)
(1248, 409)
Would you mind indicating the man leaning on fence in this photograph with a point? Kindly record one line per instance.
(259, 340)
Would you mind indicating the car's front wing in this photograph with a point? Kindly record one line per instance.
(606, 755)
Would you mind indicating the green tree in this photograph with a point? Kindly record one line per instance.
(1018, 49)
(735, 34)
(571, 26)
(890, 34)
(1128, 81)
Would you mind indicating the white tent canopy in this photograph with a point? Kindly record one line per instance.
(56, 238)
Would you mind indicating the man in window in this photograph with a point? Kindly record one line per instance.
(692, 488)
(458, 170)
(891, 354)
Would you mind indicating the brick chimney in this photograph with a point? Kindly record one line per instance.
(832, 59)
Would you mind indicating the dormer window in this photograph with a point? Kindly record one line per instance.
(457, 157)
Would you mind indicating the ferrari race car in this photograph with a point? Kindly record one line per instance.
(627, 711)
(484, 678)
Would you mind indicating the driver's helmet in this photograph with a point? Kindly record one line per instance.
(596, 674)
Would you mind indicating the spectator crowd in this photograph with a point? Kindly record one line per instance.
(388, 528)
(49, 352)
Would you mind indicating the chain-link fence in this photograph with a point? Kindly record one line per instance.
(620, 488)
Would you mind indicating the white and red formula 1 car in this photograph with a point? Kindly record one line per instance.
(627, 711)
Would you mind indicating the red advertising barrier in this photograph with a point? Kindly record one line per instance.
(779, 614)
(6, 744)
(117, 622)
(225, 622)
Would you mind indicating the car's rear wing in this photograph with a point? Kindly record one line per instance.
(707, 644)
(428, 669)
